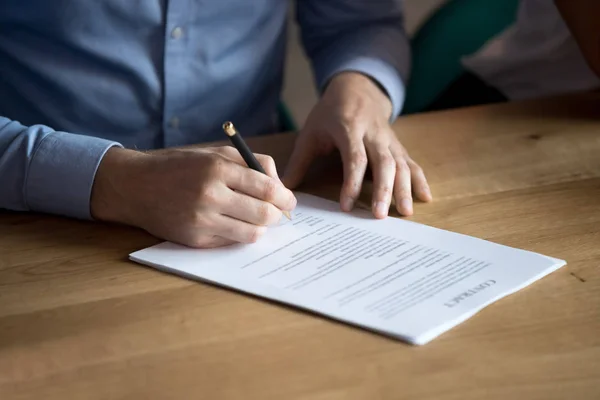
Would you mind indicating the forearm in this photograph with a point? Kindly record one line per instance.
(583, 19)
(365, 37)
(47, 171)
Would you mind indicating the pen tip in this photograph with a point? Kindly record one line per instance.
(229, 128)
(288, 215)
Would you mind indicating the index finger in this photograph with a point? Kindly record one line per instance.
(260, 186)
(303, 154)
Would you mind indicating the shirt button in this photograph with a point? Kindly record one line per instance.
(176, 32)
(174, 122)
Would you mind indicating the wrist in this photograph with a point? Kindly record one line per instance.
(111, 199)
(357, 84)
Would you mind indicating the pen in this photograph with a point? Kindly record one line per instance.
(245, 151)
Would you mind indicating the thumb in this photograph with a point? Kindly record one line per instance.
(302, 156)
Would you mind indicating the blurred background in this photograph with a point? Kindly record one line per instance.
(299, 93)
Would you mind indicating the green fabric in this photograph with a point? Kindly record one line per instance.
(456, 29)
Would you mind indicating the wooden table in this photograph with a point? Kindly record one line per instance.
(80, 321)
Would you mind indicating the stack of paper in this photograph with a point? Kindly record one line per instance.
(393, 276)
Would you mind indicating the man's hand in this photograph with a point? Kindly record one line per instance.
(353, 115)
(197, 197)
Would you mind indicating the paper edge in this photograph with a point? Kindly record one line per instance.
(419, 340)
(408, 339)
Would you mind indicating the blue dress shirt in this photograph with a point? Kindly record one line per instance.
(80, 76)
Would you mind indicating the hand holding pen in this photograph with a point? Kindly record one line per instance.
(199, 197)
(245, 152)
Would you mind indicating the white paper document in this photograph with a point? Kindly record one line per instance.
(396, 277)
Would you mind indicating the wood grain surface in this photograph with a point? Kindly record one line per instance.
(80, 321)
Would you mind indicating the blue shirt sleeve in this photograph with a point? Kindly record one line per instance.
(361, 36)
(48, 171)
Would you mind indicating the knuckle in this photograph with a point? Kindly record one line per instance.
(386, 190)
(208, 194)
(269, 190)
(226, 150)
(269, 165)
(402, 167)
(349, 120)
(266, 161)
(216, 165)
(351, 187)
(200, 222)
(264, 214)
(386, 160)
(358, 158)
(404, 193)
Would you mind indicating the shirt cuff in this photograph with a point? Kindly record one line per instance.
(61, 174)
(380, 71)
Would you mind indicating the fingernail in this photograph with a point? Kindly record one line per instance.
(406, 205)
(381, 209)
(347, 203)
